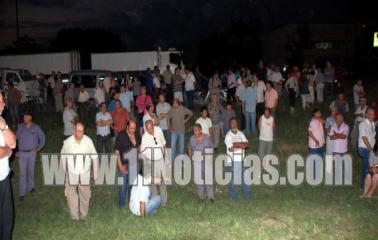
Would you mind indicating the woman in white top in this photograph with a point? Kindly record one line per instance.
(266, 127)
(371, 180)
(205, 122)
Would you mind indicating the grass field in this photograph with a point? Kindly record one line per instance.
(302, 212)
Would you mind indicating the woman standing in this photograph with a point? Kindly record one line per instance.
(316, 137)
(141, 103)
(292, 89)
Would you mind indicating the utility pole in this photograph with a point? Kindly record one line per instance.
(17, 25)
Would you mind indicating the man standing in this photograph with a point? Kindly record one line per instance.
(14, 97)
(69, 119)
(339, 136)
(260, 87)
(77, 153)
(319, 81)
(236, 142)
(153, 152)
(70, 93)
(231, 85)
(216, 111)
(271, 98)
(168, 78)
(162, 109)
(358, 92)
(340, 104)
(190, 83)
(31, 140)
(103, 122)
(178, 116)
(7, 143)
(266, 127)
(366, 141)
(249, 102)
(82, 100)
(58, 90)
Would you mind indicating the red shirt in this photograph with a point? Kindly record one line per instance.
(120, 118)
(141, 102)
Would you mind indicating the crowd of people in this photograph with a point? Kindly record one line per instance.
(155, 114)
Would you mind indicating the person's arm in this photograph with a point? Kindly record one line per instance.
(311, 135)
(5, 152)
(190, 115)
(367, 144)
(259, 123)
(121, 168)
(142, 209)
(41, 140)
(241, 145)
(9, 136)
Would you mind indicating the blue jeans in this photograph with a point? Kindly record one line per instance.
(124, 190)
(153, 205)
(319, 152)
(167, 136)
(250, 122)
(177, 138)
(237, 173)
(364, 154)
(189, 99)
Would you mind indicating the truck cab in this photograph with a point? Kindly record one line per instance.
(21, 79)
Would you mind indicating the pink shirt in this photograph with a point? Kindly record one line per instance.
(270, 98)
(316, 127)
(340, 145)
(142, 103)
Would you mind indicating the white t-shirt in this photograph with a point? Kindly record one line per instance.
(366, 129)
(100, 95)
(103, 131)
(205, 125)
(266, 131)
(260, 88)
(360, 110)
(163, 108)
(83, 97)
(156, 82)
(357, 90)
(139, 193)
(4, 162)
(238, 154)
(189, 82)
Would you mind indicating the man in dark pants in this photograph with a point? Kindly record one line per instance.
(7, 143)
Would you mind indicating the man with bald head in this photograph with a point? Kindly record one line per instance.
(77, 155)
(153, 152)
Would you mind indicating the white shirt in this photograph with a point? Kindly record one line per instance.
(266, 131)
(205, 125)
(366, 129)
(103, 131)
(83, 97)
(4, 162)
(357, 90)
(68, 116)
(139, 193)
(156, 82)
(260, 88)
(238, 154)
(189, 82)
(100, 95)
(149, 146)
(163, 108)
(77, 157)
(360, 110)
(275, 77)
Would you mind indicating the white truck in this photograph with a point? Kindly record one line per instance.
(136, 61)
(65, 62)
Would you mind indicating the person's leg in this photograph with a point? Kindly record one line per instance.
(6, 209)
(108, 144)
(253, 117)
(123, 191)
(269, 147)
(23, 166)
(31, 170)
(85, 196)
(207, 173)
(174, 139)
(153, 205)
(303, 101)
(374, 185)
(235, 174)
(261, 150)
(245, 187)
(216, 133)
(181, 143)
(367, 185)
(198, 176)
(72, 201)
(364, 153)
(248, 121)
(163, 194)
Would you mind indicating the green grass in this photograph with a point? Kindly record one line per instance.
(278, 212)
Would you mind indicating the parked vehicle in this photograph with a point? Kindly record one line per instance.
(21, 79)
(136, 61)
(65, 62)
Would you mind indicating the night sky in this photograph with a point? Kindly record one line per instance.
(176, 23)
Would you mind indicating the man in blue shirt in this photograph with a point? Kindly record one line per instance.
(249, 102)
(31, 140)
